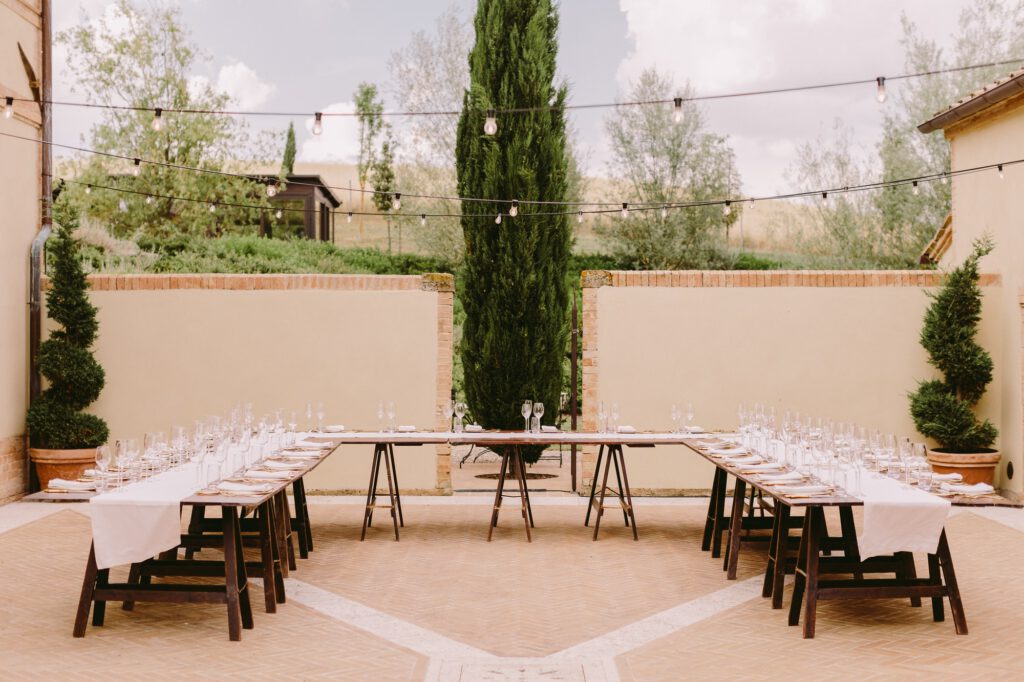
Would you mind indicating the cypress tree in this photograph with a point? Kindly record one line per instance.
(515, 292)
(288, 162)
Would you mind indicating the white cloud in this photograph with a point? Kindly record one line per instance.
(339, 141)
(243, 86)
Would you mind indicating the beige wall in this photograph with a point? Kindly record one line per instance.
(840, 345)
(19, 198)
(177, 348)
(982, 203)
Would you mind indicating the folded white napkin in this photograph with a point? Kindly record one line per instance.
(782, 477)
(967, 489)
(473, 428)
(276, 475)
(306, 445)
(406, 428)
(695, 429)
(767, 467)
(743, 460)
(718, 442)
(626, 428)
(299, 455)
(334, 428)
(727, 451)
(229, 487)
(64, 484)
(270, 464)
(549, 429)
(951, 478)
(802, 489)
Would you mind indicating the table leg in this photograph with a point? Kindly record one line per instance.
(231, 574)
(817, 515)
(593, 485)
(732, 550)
(519, 469)
(285, 529)
(195, 527)
(498, 493)
(85, 599)
(526, 491)
(614, 453)
(604, 490)
(100, 609)
(783, 513)
(722, 481)
(907, 569)
(709, 522)
(299, 523)
(134, 578)
(371, 492)
(956, 606)
(398, 491)
(773, 543)
(265, 516)
(799, 579)
(629, 495)
(849, 530)
(935, 578)
(391, 493)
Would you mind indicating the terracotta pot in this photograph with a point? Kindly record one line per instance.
(66, 464)
(975, 467)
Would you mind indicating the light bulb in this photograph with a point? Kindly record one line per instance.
(664, 212)
(423, 219)
(348, 218)
(727, 208)
(915, 189)
(750, 204)
(88, 189)
(272, 189)
(1000, 167)
(497, 219)
(513, 210)
(491, 124)
(213, 208)
(396, 201)
(318, 123)
(677, 110)
(122, 206)
(625, 210)
(824, 196)
(158, 121)
(137, 168)
(579, 216)
(943, 179)
(149, 198)
(880, 94)
(8, 107)
(277, 213)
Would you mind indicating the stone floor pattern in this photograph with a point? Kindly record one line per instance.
(443, 604)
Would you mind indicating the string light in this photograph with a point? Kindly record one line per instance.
(88, 189)
(137, 168)
(915, 190)
(880, 91)
(149, 198)
(625, 209)
(727, 208)
(318, 123)
(824, 196)
(213, 208)
(396, 201)
(664, 212)
(497, 219)
(423, 219)
(491, 124)
(1000, 167)
(513, 210)
(122, 206)
(750, 204)
(579, 216)
(8, 107)
(943, 179)
(277, 214)
(677, 110)
(272, 189)
(348, 218)
(158, 121)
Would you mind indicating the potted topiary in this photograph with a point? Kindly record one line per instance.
(62, 438)
(943, 409)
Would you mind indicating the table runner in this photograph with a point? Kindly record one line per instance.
(899, 517)
(143, 519)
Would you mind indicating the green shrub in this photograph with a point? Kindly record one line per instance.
(942, 409)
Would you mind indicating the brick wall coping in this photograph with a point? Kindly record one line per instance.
(127, 282)
(769, 278)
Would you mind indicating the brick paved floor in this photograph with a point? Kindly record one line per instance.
(443, 604)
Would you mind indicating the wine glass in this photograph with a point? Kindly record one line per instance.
(676, 416)
(309, 416)
(526, 411)
(448, 409)
(320, 417)
(613, 418)
(102, 464)
(538, 412)
(602, 417)
(391, 415)
(689, 416)
(460, 412)
(380, 415)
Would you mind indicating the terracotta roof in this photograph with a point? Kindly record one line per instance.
(978, 100)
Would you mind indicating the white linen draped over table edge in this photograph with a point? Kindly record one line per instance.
(899, 518)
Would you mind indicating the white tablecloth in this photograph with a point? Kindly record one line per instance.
(143, 519)
(899, 517)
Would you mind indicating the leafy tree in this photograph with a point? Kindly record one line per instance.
(515, 293)
(658, 161)
(142, 57)
(55, 419)
(368, 112)
(943, 409)
(382, 175)
(288, 160)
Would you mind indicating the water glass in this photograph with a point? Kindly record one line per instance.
(448, 410)
(526, 410)
(460, 412)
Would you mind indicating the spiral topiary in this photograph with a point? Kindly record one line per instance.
(55, 419)
(943, 409)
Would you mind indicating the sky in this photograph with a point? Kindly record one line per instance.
(309, 55)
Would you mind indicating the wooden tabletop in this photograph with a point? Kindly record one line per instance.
(639, 438)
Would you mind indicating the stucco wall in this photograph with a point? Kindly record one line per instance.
(982, 203)
(19, 197)
(178, 348)
(840, 345)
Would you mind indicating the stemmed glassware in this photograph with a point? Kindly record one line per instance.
(380, 415)
(538, 412)
(613, 418)
(102, 465)
(320, 417)
(460, 412)
(602, 418)
(448, 409)
(390, 410)
(689, 416)
(526, 411)
(676, 416)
